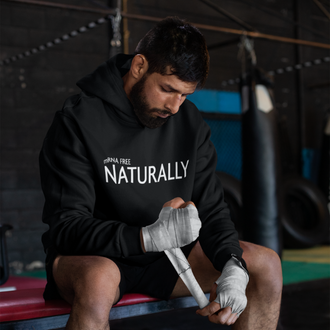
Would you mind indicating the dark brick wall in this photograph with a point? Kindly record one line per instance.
(33, 88)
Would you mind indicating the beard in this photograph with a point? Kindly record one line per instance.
(142, 109)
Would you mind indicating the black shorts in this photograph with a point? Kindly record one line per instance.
(156, 279)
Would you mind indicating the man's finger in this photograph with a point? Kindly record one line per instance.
(175, 203)
(182, 206)
(232, 319)
(212, 308)
(223, 317)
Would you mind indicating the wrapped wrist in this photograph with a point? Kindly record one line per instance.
(147, 240)
(173, 229)
(231, 286)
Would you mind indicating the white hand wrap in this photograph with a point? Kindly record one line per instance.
(231, 286)
(182, 267)
(174, 228)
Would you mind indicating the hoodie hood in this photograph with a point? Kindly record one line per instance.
(107, 84)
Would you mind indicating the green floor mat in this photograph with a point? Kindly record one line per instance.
(34, 273)
(295, 271)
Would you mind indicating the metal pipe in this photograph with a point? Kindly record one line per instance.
(224, 43)
(299, 94)
(322, 8)
(157, 19)
(64, 6)
(126, 32)
(229, 15)
(283, 18)
(264, 36)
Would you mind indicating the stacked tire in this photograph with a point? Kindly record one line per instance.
(304, 214)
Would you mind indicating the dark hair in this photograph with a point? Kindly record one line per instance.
(176, 44)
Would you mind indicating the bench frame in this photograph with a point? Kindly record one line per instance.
(120, 312)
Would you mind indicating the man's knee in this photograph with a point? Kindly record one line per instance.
(89, 282)
(264, 265)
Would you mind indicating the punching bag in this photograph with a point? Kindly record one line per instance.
(324, 174)
(261, 163)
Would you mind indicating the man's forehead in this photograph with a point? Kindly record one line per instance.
(170, 80)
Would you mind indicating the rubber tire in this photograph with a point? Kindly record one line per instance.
(233, 197)
(305, 216)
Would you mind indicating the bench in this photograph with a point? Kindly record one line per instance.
(22, 306)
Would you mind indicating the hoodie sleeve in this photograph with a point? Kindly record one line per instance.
(67, 179)
(218, 236)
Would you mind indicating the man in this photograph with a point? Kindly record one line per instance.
(112, 165)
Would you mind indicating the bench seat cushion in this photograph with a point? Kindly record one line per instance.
(26, 302)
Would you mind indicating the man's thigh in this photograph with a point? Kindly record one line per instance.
(86, 277)
(203, 270)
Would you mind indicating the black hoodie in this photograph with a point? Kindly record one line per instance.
(104, 175)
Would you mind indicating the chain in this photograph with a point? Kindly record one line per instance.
(115, 22)
(57, 41)
(287, 69)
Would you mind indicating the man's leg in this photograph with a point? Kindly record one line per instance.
(263, 291)
(90, 285)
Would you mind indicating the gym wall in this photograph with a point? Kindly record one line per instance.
(35, 87)
(32, 90)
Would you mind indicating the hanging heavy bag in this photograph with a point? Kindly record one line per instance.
(260, 170)
(324, 173)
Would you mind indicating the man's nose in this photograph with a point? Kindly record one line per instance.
(173, 104)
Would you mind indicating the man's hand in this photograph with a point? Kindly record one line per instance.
(215, 313)
(228, 294)
(178, 225)
(178, 203)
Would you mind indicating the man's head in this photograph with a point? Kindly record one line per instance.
(177, 45)
(171, 61)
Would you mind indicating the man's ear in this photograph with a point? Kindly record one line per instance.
(139, 66)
